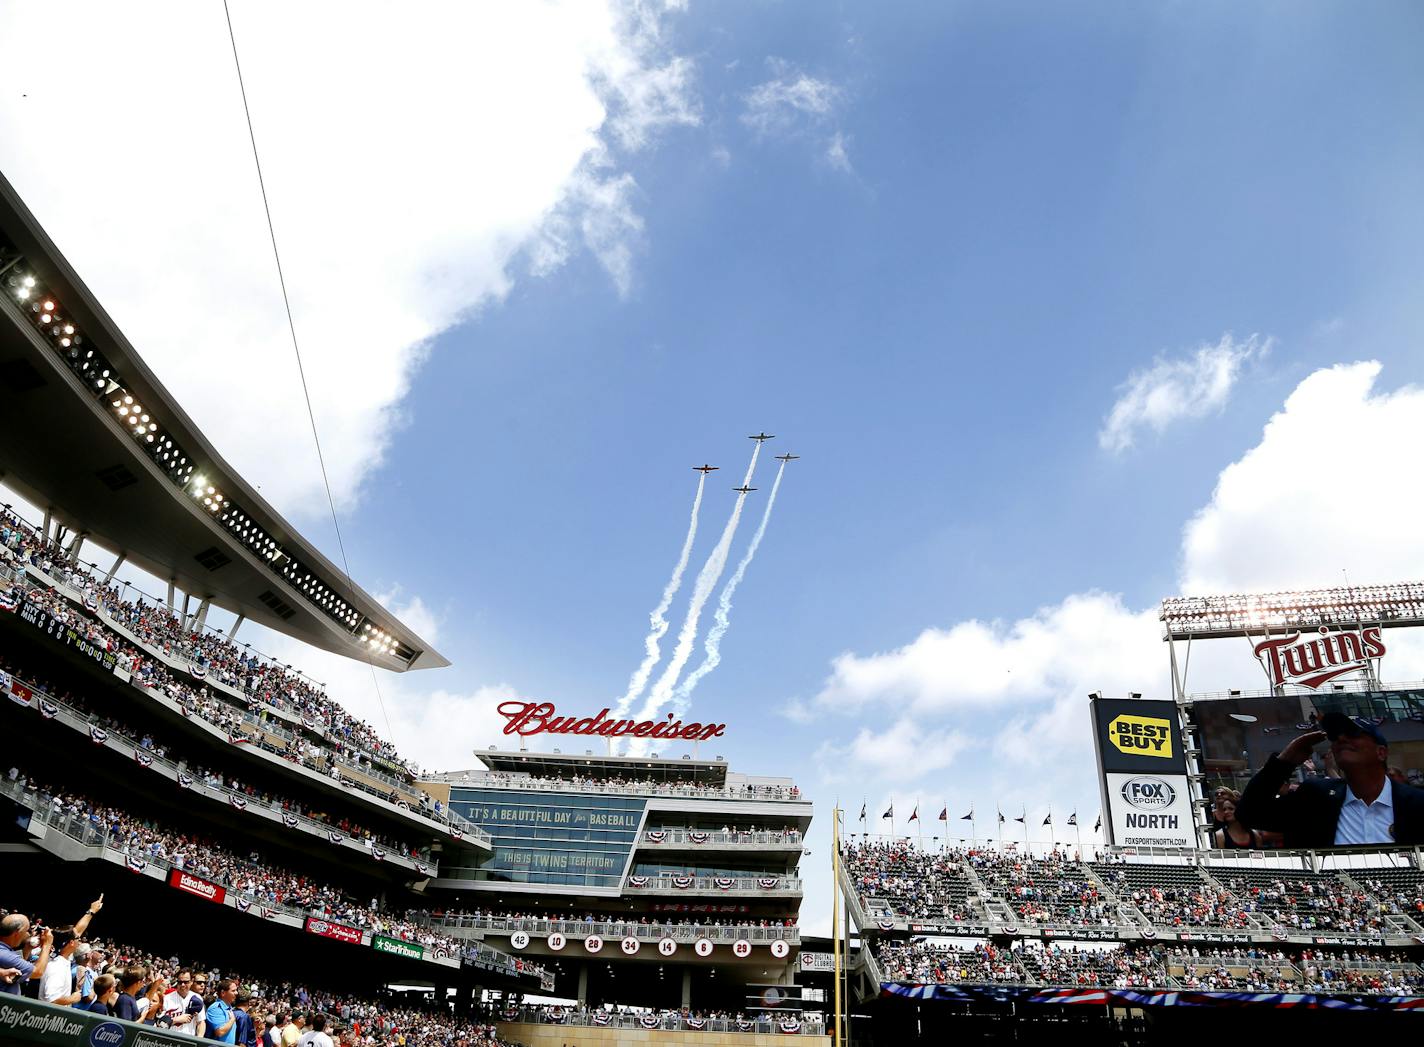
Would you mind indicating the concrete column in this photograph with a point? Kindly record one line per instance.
(583, 983)
(170, 596)
(118, 562)
(77, 545)
(232, 633)
(201, 618)
(45, 529)
(686, 986)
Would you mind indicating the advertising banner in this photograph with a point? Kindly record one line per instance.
(1150, 810)
(397, 947)
(196, 885)
(327, 929)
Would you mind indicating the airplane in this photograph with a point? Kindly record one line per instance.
(744, 490)
(759, 437)
(705, 469)
(787, 457)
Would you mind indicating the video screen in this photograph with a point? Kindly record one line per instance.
(1336, 769)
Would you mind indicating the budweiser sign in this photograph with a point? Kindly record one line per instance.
(327, 929)
(526, 718)
(185, 881)
(1310, 663)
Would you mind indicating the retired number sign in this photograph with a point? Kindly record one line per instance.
(519, 940)
(593, 943)
(702, 947)
(741, 948)
(780, 949)
(557, 941)
(667, 946)
(631, 946)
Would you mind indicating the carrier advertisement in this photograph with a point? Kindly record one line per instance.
(1280, 771)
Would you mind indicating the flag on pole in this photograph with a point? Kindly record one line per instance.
(1021, 818)
(1073, 818)
(970, 816)
(944, 814)
(1098, 824)
(1001, 817)
(889, 813)
(862, 811)
(1049, 819)
(915, 814)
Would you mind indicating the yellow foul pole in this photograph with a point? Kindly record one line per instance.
(836, 912)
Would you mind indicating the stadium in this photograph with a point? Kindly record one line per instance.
(187, 817)
(203, 808)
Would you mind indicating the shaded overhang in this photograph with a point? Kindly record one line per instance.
(93, 436)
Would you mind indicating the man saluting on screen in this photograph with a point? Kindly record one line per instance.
(1362, 807)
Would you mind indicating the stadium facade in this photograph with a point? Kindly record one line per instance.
(173, 769)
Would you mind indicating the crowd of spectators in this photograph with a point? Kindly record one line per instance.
(1310, 905)
(66, 967)
(265, 683)
(925, 962)
(626, 783)
(911, 882)
(251, 876)
(895, 878)
(164, 748)
(324, 743)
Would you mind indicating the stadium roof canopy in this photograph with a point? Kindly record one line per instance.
(91, 435)
(554, 764)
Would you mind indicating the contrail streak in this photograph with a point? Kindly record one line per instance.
(701, 591)
(722, 619)
(658, 618)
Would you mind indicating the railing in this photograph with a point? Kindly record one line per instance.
(184, 654)
(681, 932)
(728, 884)
(524, 783)
(671, 1022)
(79, 720)
(81, 830)
(698, 838)
(238, 714)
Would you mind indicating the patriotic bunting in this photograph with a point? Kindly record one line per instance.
(184, 781)
(333, 836)
(790, 1026)
(637, 881)
(649, 1021)
(768, 883)
(725, 883)
(697, 836)
(289, 820)
(144, 759)
(9, 600)
(600, 1018)
(135, 863)
(421, 868)
(682, 883)
(378, 854)
(48, 710)
(696, 1024)
(656, 836)
(98, 735)
(237, 801)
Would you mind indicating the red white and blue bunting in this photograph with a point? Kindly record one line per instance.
(682, 883)
(656, 836)
(649, 1021)
(768, 883)
(696, 836)
(145, 759)
(725, 883)
(637, 881)
(135, 863)
(48, 710)
(600, 1018)
(237, 801)
(98, 735)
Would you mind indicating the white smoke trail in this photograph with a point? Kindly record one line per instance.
(658, 619)
(701, 591)
(722, 619)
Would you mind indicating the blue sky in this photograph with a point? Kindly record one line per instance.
(929, 246)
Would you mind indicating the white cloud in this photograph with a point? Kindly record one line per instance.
(794, 104)
(973, 663)
(1331, 488)
(836, 154)
(900, 752)
(1174, 389)
(409, 172)
(1290, 513)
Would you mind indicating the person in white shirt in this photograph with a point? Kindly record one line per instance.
(57, 982)
(316, 1036)
(185, 1007)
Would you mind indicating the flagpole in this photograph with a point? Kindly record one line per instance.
(999, 828)
(1078, 832)
(1027, 846)
(919, 825)
(836, 911)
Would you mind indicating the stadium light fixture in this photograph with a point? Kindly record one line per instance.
(1389, 606)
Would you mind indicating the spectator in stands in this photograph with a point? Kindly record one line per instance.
(316, 1035)
(129, 1007)
(14, 931)
(57, 984)
(246, 1031)
(293, 1030)
(106, 996)
(1363, 808)
(184, 1006)
(222, 1016)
